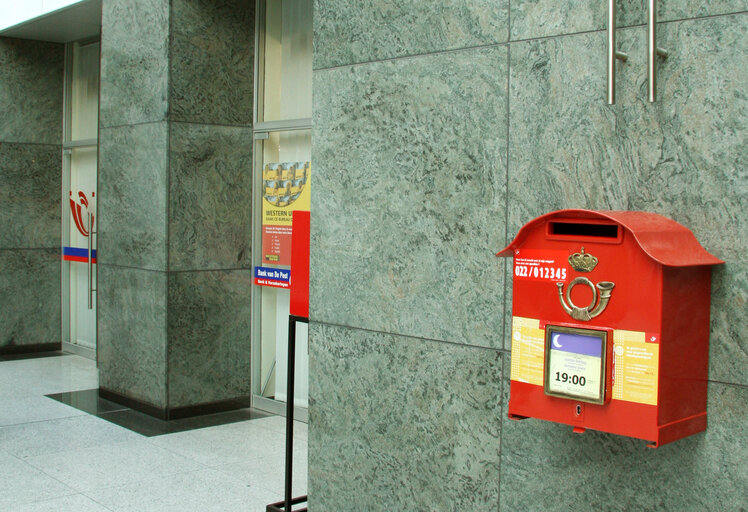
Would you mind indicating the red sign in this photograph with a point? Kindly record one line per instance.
(276, 245)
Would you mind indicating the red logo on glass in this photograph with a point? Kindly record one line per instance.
(76, 210)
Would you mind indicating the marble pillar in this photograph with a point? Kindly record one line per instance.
(175, 194)
(30, 171)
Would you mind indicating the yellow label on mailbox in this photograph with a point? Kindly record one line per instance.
(528, 350)
(636, 364)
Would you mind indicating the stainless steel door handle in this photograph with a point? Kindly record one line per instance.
(613, 54)
(653, 51)
(91, 288)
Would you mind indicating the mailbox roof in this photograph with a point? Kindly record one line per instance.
(664, 240)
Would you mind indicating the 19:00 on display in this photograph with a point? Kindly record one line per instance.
(577, 380)
(540, 272)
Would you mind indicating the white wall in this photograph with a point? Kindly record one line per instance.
(13, 12)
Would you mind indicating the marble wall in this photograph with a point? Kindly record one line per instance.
(30, 172)
(437, 135)
(175, 194)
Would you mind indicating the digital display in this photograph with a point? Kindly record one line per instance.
(575, 363)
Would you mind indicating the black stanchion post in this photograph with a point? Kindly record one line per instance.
(291, 368)
(288, 500)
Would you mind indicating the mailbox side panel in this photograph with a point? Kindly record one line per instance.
(684, 351)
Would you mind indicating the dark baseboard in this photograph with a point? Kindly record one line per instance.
(132, 403)
(176, 413)
(30, 349)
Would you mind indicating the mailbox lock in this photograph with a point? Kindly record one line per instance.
(578, 410)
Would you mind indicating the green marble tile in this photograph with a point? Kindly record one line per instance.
(727, 343)
(544, 466)
(547, 18)
(210, 197)
(31, 91)
(544, 18)
(681, 9)
(682, 157)
(29, 195)
(399, 423)
(134, 62)
(131, 341)
(133, 195)
(30, 291)
(212, 61)
(409, 196)
(347, 32)
(209, 336)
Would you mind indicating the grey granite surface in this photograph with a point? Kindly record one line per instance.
(133, 196)
(31, 91)
(409, 196)
(134, 62)
(546, 467)
(212, 61)
(29, 297)
(399, 423)
(209, 336)
(29, 195)
(683, 157)
(131, 308)
(210, 197)
(351, 31)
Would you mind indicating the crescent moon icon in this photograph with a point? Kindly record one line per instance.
(555, 341)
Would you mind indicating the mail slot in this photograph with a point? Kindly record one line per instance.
(610, 324)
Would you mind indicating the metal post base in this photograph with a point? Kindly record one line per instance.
(281, 505)
(287, 504)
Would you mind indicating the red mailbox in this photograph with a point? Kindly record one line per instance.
(610, 324)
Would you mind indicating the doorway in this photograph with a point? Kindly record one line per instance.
(282, 183)
(79, 197)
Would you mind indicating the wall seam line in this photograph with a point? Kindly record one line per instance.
(523, 40)
(506, 234)
(130, 267)
(422, 338)
(224, 125)
(42, 144)
(169, 56)
(415, 56)
(54, 248)
(195, 270)
(130, 125)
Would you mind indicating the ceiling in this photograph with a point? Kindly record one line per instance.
(78, 21)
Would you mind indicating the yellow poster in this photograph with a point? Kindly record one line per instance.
(528, 350)
(636, 368)
(285, 189)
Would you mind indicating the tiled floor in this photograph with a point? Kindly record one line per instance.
(56, 457)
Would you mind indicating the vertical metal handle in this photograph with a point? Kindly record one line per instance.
(90, 262)
(613, 54)
(653, 51)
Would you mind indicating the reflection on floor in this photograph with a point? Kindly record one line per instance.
(99, 456)
(88, 400)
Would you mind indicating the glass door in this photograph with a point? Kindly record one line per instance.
(282, 184)
(79, 184)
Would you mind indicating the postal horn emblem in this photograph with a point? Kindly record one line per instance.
(595, 308)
